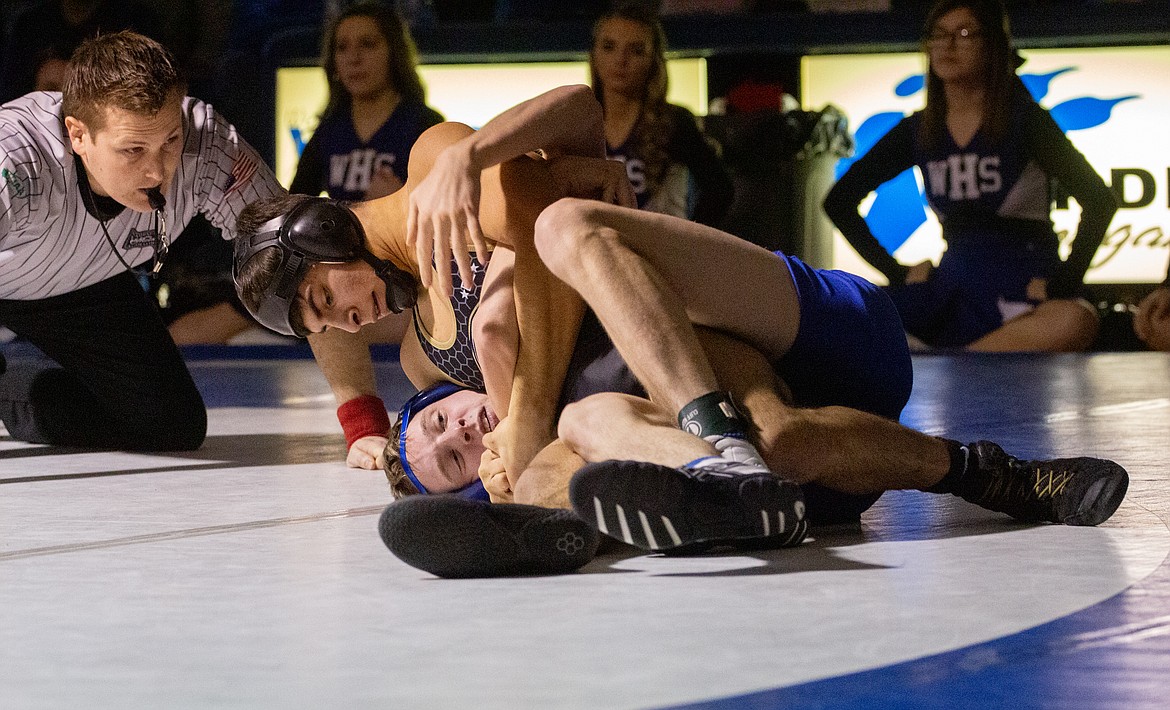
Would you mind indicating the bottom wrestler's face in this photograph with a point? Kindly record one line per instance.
(131, 153)
(444, 440)
(345, 296)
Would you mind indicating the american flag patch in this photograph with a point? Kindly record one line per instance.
(242, 171)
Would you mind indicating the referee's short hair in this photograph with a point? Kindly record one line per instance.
(123, 70)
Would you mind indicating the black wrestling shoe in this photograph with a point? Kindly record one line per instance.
(454, 537)
(686, 510)
(1080, 491)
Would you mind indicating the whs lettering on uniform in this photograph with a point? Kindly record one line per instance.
(635, 172)
(964, 177)
(352, 171)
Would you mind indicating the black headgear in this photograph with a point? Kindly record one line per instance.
(318, 230)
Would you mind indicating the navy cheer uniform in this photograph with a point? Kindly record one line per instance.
(691, 158)
(993, 201)
(336, 161)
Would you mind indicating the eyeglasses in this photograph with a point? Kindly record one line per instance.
(962, 37)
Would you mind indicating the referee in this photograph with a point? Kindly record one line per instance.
(93, 181)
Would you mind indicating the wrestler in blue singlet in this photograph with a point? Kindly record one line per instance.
(849, 351)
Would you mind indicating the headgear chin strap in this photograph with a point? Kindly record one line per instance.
(432, 394)
(318, 230)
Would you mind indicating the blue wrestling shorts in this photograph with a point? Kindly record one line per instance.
(850, 350)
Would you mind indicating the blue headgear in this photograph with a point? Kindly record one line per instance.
(472, 491)
(318, 230)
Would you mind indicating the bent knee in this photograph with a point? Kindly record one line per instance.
(1072, 323)
(579, 419)
(582, 421)
(564, 215)
(176, 422)
(562, 227)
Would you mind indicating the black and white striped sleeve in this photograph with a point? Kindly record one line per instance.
(19, 180)
(231, 173)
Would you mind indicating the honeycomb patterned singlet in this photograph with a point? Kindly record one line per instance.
(456, 358)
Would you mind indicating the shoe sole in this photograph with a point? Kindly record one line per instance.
(1102, 498)
(457, 538)
(661, 509)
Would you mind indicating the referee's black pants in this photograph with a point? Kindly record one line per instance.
(118, 381)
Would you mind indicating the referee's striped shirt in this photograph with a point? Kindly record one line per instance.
(50, 244)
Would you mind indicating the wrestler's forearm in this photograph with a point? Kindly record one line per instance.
(548, 312)
(548, 315)
(344, 359)
(566, 119)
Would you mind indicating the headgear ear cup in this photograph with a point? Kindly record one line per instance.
(401, 287)
(317, 230)
(326, 222)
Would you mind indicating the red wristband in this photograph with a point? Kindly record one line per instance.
(363, 416)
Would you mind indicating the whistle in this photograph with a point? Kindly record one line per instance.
(161, 244)
(157, 201)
